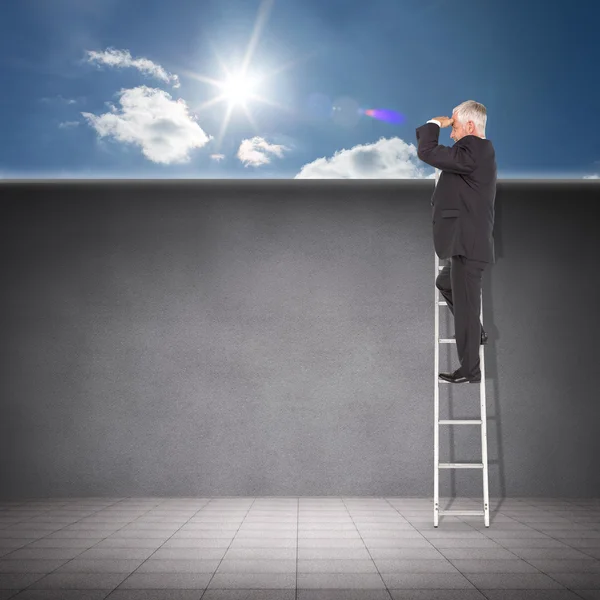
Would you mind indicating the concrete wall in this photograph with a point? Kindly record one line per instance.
(277, 338)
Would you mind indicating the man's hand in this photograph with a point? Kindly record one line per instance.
(444, 121)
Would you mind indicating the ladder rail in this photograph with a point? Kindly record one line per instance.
(436, 405)
(483, 465)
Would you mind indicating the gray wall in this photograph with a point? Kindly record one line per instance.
(277, 338)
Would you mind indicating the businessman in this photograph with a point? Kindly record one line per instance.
(463, 223)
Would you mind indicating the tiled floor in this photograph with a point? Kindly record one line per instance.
(275, 548)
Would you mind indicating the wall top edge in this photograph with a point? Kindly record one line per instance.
(259, 182)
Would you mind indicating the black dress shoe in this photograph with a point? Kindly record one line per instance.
(456, 377)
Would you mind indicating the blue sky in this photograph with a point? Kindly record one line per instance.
(120, 88)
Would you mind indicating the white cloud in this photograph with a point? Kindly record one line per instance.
(254, 152)
(385, 159)
(591, 176)
(149, 118)
(66, 124)
(122, 58)
(217, 157)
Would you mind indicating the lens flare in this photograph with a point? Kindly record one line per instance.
(389, 116)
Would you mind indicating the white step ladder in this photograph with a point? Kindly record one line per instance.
(483, 465)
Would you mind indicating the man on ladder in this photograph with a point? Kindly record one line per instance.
(463, 223)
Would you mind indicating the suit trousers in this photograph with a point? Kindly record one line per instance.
(460, 284)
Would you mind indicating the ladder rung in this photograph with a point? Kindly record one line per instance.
(447, 341)
(442, 303)
(461, 465)
(469, 513)
(460, 422)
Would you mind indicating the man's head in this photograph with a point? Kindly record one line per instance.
(469, 119)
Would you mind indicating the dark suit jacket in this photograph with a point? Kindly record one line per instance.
(464, 197)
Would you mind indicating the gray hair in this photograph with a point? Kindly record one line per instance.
(472, 111)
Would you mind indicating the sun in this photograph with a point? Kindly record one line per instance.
(239, 88)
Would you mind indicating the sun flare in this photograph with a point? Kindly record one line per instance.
(237, 88)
